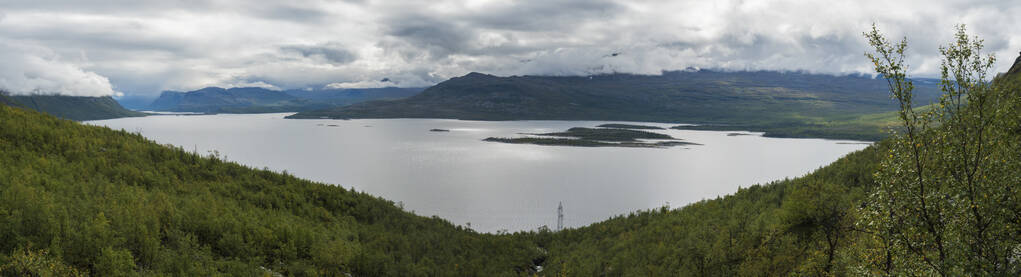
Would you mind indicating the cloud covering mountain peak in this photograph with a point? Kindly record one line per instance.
(32, 69)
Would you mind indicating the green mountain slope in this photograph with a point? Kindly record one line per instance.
(213, 99)
(94, 200)
(102, 201)
(89, 199)
(775, 229)
(7, 101)
(75, 107)
(817, 225)
(780, 103)
(1016, 68)
(260, 100)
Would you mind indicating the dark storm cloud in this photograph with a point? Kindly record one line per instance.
(143, 47)
(544, 15)
(333, 53)
(436, 37)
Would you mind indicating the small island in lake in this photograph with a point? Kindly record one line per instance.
(596, 137)
(630, 126)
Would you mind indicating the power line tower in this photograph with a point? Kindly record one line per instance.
(560, 216)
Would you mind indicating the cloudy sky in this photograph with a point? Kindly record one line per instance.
(139, 48)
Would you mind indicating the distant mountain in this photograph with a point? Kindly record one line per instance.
(353, 95)
(214, 99)
(7, 101)
(135, 101)
(78, 108)
(258, 100)
(754, 100)
(1016, 68)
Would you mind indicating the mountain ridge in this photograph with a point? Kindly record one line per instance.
(775, 102)
(256, 100)
(79, 108)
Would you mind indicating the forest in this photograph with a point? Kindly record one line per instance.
(937, 198)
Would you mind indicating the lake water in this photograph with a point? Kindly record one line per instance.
(493, 186)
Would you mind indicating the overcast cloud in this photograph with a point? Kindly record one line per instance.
(92, 47)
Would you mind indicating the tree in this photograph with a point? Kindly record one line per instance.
(946, 202)
(818, 211)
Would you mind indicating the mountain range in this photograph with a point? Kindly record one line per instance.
(779, 103)
(260, 100)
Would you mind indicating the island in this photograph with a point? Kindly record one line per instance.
(630, 126)
(597, 137)
(439, 130)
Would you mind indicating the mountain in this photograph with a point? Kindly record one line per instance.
(7, 101)
(353, 95)
(1016, 68)
(770, 101)
(214, 99)
(135, 102)
(255, 100)
(72, 107)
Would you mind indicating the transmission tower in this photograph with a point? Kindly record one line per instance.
(560, 216)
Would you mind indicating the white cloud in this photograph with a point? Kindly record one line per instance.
(144, 47)
(28, 69)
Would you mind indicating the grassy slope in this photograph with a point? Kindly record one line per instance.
(76, 107)
(783, 104)
(100, 201)
(747, 233)
(103, 201)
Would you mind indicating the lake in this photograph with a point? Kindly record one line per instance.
(493, 186)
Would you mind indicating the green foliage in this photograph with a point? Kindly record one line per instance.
(110, 203)
(947, 202)
(791, 227)
(73, 107)
(37, 264)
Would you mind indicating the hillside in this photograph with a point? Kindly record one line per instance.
(776, 229)
(130, 204)
(260, 100)
(1015, 69)
(7, 101)
(213, 99)
(86, 199)
(72, 107)
(782, 104)
(863, 215)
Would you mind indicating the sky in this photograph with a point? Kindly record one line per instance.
(140, 48)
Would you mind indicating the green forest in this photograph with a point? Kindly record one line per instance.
(70, 107)
(938, 198)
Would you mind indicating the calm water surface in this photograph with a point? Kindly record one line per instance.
(493, 186)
